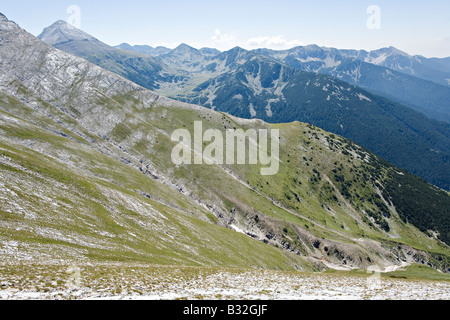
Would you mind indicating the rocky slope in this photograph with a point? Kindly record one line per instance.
(138, 281)
(86, 174)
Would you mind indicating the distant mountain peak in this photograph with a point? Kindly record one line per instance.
(390, 51)
(395, 50)
(62, 31)
(312, 47)
(237, 48)
(125, 46)
(61, 23)
(184, 50)
(185, 47)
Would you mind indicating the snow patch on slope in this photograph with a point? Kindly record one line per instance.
(376, 60)
(252, 110)
(363, 97)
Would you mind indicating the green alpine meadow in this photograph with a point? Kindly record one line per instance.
(93, 205)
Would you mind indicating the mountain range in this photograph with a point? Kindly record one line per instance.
(433, 69)
(86, 174)
(145, 49)
(286, 86)
(414, 81)
(420, 83)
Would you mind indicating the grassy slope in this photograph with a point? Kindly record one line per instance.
(300, 204)
(60, 211)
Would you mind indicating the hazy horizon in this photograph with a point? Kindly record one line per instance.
(415, 27)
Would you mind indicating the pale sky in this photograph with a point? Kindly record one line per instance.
(416, 27)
